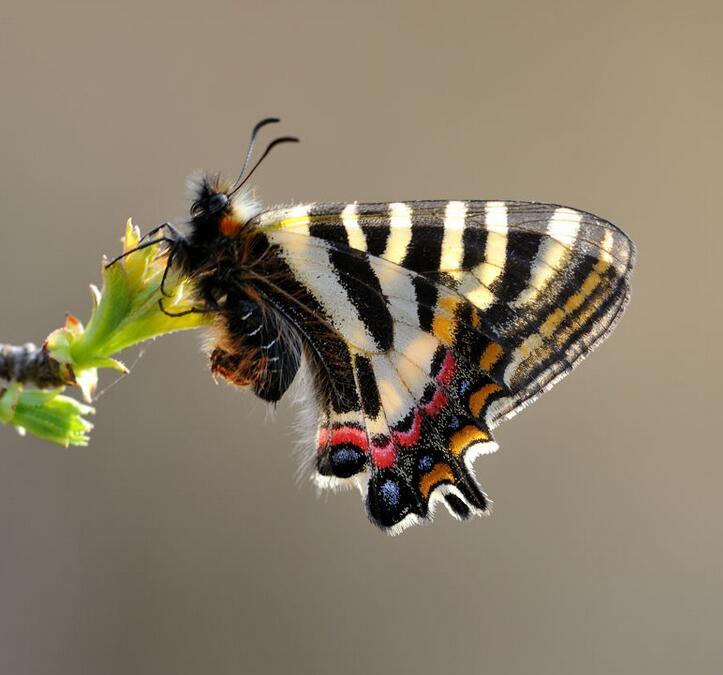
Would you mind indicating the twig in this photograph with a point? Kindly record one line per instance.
(27, 364)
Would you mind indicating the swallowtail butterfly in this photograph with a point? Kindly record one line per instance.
(424, 324)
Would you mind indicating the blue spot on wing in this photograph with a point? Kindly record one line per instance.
(425, 463)
(389, 492)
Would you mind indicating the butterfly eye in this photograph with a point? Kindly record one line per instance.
(218, 202)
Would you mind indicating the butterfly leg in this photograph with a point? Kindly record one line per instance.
(158, 228)
(140, 247)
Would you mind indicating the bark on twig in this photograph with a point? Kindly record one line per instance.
(27, 364)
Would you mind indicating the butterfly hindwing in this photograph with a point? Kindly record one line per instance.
(426, 323)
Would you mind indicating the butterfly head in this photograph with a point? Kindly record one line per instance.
(220, 209)
(217, 210)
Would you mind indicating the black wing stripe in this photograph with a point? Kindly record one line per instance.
(328, 353)
(371, 403)
(474, 241)
(364, 292)
(426, 297)
(375, 226)
(425, 247)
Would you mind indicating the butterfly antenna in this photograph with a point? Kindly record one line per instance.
(254, 133)
(269, 148)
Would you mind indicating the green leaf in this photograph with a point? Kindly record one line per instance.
(126, 312)
(46, 414)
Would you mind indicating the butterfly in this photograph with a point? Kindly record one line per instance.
(423, 324)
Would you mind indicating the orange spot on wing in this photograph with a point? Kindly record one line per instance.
(550, 324)
(478, 400)
(589, 285)
(601, 266)
(437, 474)
(575, 301)
(444, 322)
(490, 356)
(465, 437)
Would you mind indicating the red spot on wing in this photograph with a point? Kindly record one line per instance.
(385, 455)
(350, 435)
(438, 402)
(446, 372)
(341, 436)
(411, 437)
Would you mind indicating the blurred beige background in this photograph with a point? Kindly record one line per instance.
(179, 541)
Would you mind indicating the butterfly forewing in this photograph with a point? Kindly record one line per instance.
(425, 323)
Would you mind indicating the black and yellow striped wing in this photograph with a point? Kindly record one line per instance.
(427, 323)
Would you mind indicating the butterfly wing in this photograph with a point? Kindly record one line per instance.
(426, 323)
